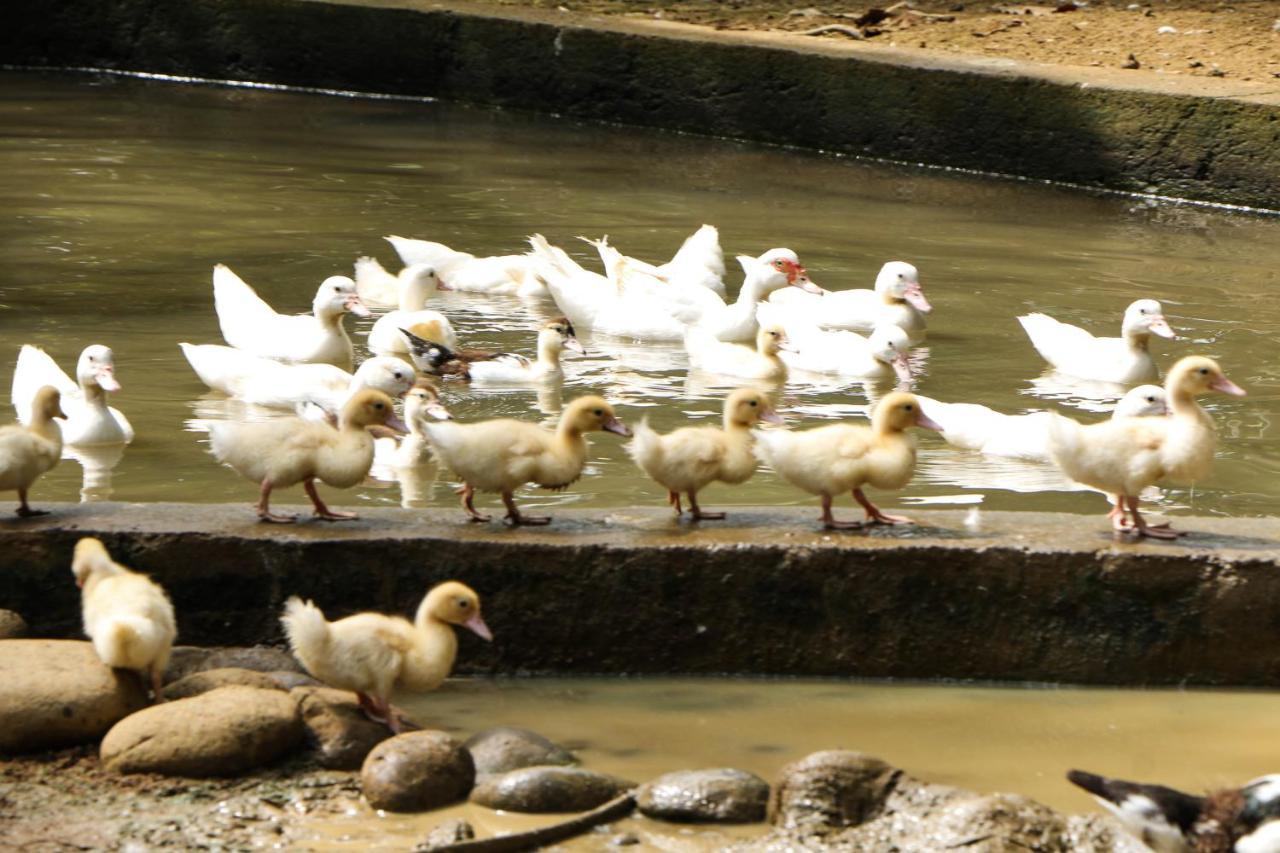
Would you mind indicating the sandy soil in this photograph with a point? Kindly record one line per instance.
(1238, 40)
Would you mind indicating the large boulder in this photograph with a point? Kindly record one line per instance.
(220, 733)
(211, 679)
(56, 693)
(417, 771)
(12, 625)
(722, 795)
(548, 789)
(830, 790)
(186, 660)
(503, 749)
(337, 729)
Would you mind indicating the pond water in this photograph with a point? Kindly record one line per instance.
(987, 739)
(121, 194)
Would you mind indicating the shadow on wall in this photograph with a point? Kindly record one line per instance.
(1205, 148)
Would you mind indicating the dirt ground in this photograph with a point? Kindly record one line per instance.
(1211, 38)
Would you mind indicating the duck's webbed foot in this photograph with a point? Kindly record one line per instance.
(829, 521)
(515, 517)
(321, 511)
(874, 515)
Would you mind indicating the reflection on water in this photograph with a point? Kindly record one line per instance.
(983, 738)
(123, 194)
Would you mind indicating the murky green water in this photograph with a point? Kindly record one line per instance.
(119, 196)
(983, 738)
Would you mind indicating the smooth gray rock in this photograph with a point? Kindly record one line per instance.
(505, 748)
(830, 790)
(548, 789)
(211, 679)
(56, 693)
(12, 625)
(340, 733)
(721, 795)
(445, 835)
(288, 679)
(186, 660)
(220, 733)
(417, 771)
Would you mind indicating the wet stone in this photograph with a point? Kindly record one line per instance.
(722, 795)
(541, 790)
(505, 748)
(831, 789)
(417, 771)
(12, 625)
(186, 660)
(287, 679)
(56, 693)
(446, 834)
(211, 679)
(994, 824)
(339, 732)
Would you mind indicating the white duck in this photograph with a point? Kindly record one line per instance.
(1124, 360)
(709, 353)
(975, 427)
(273, 384)
(27, 452)
(688, 459)
(385, 337)
(281, 452)
(1123, 456)
(89, 419)
(897, 300)
(832, 459)
(380, 289)
(502, 455)
(127, 615)
(698, 263)
(421, 406)
(838, 352)
(497, 275)
(374, 655)
(250, 324)
(554, 337)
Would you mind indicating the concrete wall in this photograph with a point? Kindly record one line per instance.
(1030, 596)
(1198, 138)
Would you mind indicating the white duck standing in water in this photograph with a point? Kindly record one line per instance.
(1123, 456)
(1125, 360)
(374, 655)
(90, 420)
(897, 300)
(250, 324)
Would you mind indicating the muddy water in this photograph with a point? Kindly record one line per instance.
(121, 195)
(983, 738)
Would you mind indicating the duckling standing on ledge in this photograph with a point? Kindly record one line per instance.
(1123, 456)
(280, 453)
(126, 614)
(503, 454)
(828, 460)
(688, 459)
(27, 452)
(373, 654)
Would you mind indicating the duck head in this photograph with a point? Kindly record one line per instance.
(771, 340)
(1145, 401)
(371, 408)
(337, 296)
(890, 345)
(899, 281)
(558, 334)
(591, 414)
(422, 402)
(746, 407)
(1197, 374)
(457, 604)
(417, 283)
(47, 404)
(97, 366)
(899, 411)
(428, 356)
(90, 555)
(779, 268)
(392, 376)
(1146, 317)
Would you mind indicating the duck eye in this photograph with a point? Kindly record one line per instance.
(463, 603)
(752, 403)
(1204, 371)
(599, 413)
(908, 407)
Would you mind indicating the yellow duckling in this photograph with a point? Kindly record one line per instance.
(126, 615)
(280, 453)
(828, 460)
(707, 352)
(1125, 455)
(374, 654)
(688, 459)
(27, 452)
(502, 455)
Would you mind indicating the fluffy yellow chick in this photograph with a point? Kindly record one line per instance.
(27, 452)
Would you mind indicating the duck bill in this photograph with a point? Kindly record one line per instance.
(786, 346)
(616, 426)
(1226, 386)
(574, 345)
(901, 367)
(915, 296)
(1161, 327)
(476, 625)
(803, 282)
(393, 422)
(62, 416)
(771, 416)
(923, 420)
(441, 284)
(439, 412)
(355, 306)
(106, 378)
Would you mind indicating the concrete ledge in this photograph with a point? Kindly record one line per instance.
(1205, 139)
(1030, 597)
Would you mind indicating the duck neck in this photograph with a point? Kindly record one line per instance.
(413, 295)
(94, 394)
(754, 289)
(1138, 341)
(47, 428)
(441, 640)
(1182, 403)
(570, 436)
(549, 349)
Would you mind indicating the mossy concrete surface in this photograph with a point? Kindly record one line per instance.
(1025, 596)
(1200, 138)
